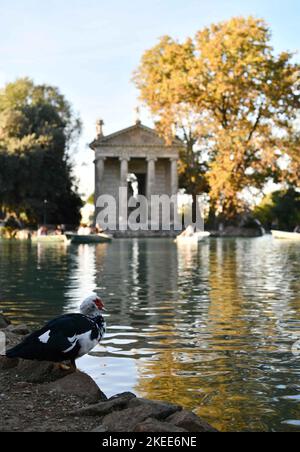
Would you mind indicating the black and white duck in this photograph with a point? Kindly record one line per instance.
(65, 338)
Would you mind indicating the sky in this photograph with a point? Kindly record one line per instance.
(90, 48)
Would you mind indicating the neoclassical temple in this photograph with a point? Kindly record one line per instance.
(137, 154)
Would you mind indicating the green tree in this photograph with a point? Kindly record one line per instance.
(280, 209)
(37, 130)
(234, 103)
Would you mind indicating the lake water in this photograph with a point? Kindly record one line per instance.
(211, 328)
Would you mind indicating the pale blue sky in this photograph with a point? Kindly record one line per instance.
(89, 48)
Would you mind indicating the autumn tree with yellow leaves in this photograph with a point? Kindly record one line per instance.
(233, 101)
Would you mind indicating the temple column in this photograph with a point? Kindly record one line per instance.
(124, 171)
(150, 176)
(174, 185)
(99, 176)
(123, 201)
(174, 176)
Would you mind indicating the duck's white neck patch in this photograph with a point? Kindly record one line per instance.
(44, 338)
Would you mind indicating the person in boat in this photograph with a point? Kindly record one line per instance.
(58, 230)
(99, 229)
(188, 232)
(84, 230)
(42, 231)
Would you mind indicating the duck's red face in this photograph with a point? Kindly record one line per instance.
(99, 303)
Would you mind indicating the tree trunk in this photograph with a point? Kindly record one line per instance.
(194, 208)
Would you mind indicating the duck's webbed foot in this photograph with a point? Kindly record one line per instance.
(64, 367)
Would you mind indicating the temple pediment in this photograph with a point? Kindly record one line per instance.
(137, 135)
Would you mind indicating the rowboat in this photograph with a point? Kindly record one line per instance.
(48, 239)
(286, 235)
(78, 239)
(196, 237)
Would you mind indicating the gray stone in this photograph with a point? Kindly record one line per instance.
(154, 426)
(138, 411)
(101, 409)
(20, 330)
(77, 384)
(40, 371)
(4, 322)
(6, 363)
(124, 395)
(190, 422)
(12, 339)
(100, 429)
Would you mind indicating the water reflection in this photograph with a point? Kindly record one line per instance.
(32, 280)
(209, 327)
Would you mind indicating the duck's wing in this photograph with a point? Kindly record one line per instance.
(56, 340)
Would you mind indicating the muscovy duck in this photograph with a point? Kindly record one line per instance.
(65, 338)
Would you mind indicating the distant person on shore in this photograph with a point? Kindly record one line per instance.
(297, 229)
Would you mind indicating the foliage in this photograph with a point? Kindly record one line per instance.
(37, 128)
(280, 209)
(91, 199)
(10, 228)
(233, 102)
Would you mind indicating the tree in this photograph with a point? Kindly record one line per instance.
(280, 209)
(234, 103)
(91, 199)
(37, 130)
(163, 82)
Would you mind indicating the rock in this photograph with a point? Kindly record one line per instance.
(116, 403)
(20, 385)
(77, 384)
(100, 429)
(6, 363)
(124, 396)
(12, 339)
(154, 426)
(137, 412)
(20, 330)
(40, 371)
(190, 422)
(4, 322)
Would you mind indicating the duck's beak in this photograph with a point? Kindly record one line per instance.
(100, 305)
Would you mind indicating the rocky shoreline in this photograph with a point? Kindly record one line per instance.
(41, 397)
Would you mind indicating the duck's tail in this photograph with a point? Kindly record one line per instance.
(15, 352)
